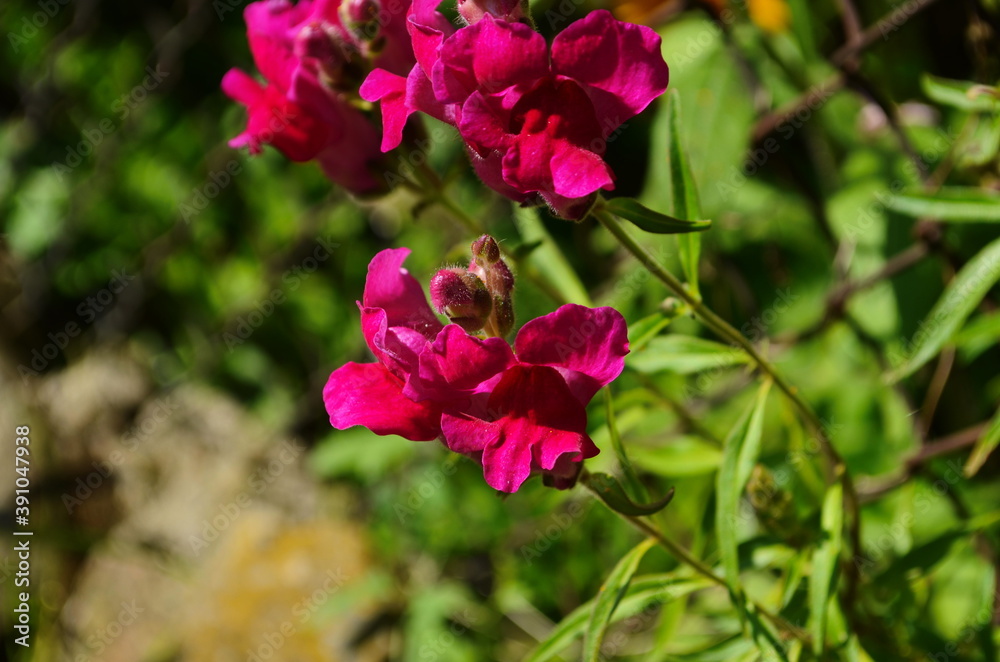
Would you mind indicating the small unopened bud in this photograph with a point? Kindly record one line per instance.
(473, 11)
(361, 18)
(486, 250)
(462, 297)
(334, 52)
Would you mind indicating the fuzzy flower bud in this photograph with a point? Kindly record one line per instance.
(361, 17)
(489, 266)
(473, 11)
(462, 297)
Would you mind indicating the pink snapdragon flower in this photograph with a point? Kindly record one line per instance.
(535, 119)
(516, 410)
(311, 54)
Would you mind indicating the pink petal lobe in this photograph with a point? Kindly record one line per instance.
(620, 63)
(390, 90)
(489, 56)
(587, 346)
(457, 364)
(367, 394)
(391, 287)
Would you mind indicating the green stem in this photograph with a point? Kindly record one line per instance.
(685, 557)
(434, 191)
(836, 466)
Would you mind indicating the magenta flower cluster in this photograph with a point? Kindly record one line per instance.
(516, 410)
(311, 54)
(535, 119)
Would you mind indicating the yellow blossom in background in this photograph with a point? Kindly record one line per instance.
(772, 16)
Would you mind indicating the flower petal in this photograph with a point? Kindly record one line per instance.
(391, 287)
(489, 56)
(457, 364)
(428, 28)
(390, 90)
(538, 421)
(587, 346)
(270, 34)
(367, 394)
(577, 172)
(620, 63)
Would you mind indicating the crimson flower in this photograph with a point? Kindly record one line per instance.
(536, 119)
(516, 410)
(311, 54)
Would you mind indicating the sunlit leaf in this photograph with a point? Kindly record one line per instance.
(609, 596)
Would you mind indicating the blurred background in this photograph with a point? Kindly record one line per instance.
(171, 309)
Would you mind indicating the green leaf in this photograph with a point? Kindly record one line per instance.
(960, 298)
(961, 94)
(962, 204)
(679, 457)
(683, 193)
(986, 445)
(641, 332)
(979, 335)
(611, 593)
(547, 257)
(652, 221)
(739, 455)
(644, 593)
(632, 483)
(613, 495)
(825, 563)
(684, 355)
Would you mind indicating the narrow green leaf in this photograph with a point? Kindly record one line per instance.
(683, 193)
(986, 445)
(962, 204)
(960, 298)
(547, 257)
(684, 355)
(645, 593)
(652, 221)
(613, 495)
(611, 593)
(961, 94)
(979, 335)
(767, 643)
(633, 485)
(739, 455)
(825, 563)
(679, 457)
(641, 332)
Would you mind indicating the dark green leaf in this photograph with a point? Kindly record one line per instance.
(652, 221)
(613, 495)
(960, 298)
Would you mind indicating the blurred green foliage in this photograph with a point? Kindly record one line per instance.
(254, 294)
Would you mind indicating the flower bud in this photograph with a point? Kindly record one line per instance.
(486, 250)
(361, 17)
(473, 11)
(489, 266)
(333, 51)
(462, 297)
